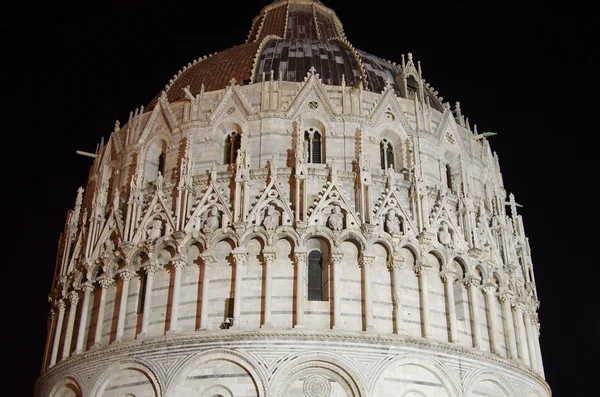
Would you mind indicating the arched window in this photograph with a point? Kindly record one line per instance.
(449, 177)
(313, 143)
(141, 291)
(232, 144)
(386, 154)
(161, 163)
(315, 276)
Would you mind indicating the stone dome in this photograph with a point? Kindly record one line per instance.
(286, 39)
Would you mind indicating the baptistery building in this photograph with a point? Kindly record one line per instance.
(294, 217)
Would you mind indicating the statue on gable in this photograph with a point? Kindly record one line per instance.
(336, 220)
(109, 246)
(159, 181)
(390, 177)
(155, 231)
(271, 220)
(392, 223)
(212, 220)
(444, 236)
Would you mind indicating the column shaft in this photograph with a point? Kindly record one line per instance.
(474, 308)
(57, 331)
(73, 300)
(530, 342)
(336, 260)
(178, 269)
(398, 323)
(269, 257)
(87, 290)
(150, 271)
(104, 283)
(301, 260)
(204, 303)
(523, 348)
(509, 328)
(367, 263)
(424, 300)
(451, 307)
(240, 261)
(492, 323)
(126, 276)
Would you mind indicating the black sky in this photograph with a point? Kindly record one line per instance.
(522, 69)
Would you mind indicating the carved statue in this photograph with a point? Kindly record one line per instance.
(109, 246)
(336, 220)
(212, 220)
(159, 181)
(271, 220)
(155, 231)
(444, 236)
(391, 177)
(392, 223)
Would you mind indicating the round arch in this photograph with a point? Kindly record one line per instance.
(312, 363)
(66, 387)
(495, 377)
(185, 366)
(139, 365)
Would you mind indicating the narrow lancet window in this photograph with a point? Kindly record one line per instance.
(315, 276)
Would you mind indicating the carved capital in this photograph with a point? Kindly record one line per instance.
(269, 256)
(86, 287)
(150, 269)
(336, 258)
(489, 288)
(366, 261)
(73, 298)
(301, 258)
(448, 276)
(179, 264)
(397, 262)
(208, 258)
(60, 304)
(472, 281)
(126, 275)
(505, 297)
(105, 282)
(240, 259)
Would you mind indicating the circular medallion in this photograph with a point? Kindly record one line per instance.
(316, 386)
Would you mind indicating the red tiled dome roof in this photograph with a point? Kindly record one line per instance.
(295, 36)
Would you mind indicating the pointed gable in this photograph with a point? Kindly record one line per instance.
(232, 98)
(311, 90)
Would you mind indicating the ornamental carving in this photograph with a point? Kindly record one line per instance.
(316, 386)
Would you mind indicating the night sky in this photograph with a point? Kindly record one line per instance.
(522, 69)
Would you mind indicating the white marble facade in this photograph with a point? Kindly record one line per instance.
(293, 239)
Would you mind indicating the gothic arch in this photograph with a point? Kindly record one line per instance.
(138, 365)
(181, 369)
(156, 147)
(311, 363)
(398, 138)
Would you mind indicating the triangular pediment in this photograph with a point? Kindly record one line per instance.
(390, 201)
(446, 214)
(388, 108)
(112, 225)
(161, 120)
(157, 209)
(74, 254)
(212, 197)
(332, 197)
(271, 195)
(312, 90)
(232, 102)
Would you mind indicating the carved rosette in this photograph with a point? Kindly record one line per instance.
(316, 386)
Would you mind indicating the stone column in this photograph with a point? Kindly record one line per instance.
(301, 259)
(472, 283)
(207, 259)
(448, 277)
(73, 301)
(178, 266)
(490, 297)
(529, 319)
(269, 256)
(424, 300)
(523, 349)
(150, 272)
(336, 262)
(366, 263)
(538, 351)
(126, 276)
(61, 315)
(395, 267)
(87, 289)
(509, 327)
(105, 283)
(241, 259)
